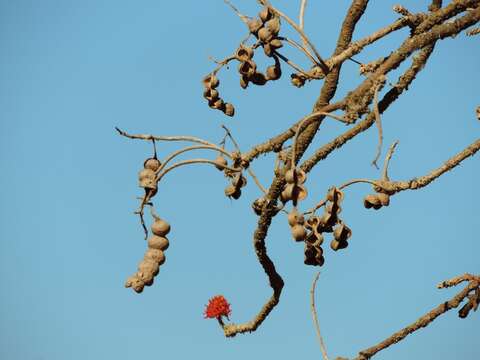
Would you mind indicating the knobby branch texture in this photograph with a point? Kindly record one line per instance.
(359, 109)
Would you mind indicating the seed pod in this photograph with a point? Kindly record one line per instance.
(293, 217)
(145, 277)
(273, 72)
(217, 104)
(152, 164)
(158, 242)
(146, 178)
(247, 68)
(273, 25)
(258, 79)
(265, 35)
(334, 195)
(290, 176)
(211, 94)
(312, 222)
(301, 176)
(268, 50)
(160, 227)
(300, 192)
(148, 266)
(137, 284)
(254, 25)
(287, 193)
(211, 81)
(342, 232)
(384, 199)
(232, 191)
(239, 181)
(299, 233)
(229, 110)
(276, 44)
(243, 82)
(265, 14)
(338, 245)
(372, 200)
(130, 281)
(319, 259)
(220, 162)
(333, 208)
(297, 80)
(244, 53)
(156, 255)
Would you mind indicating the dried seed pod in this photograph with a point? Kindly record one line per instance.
(265, 35)
(338, 245)
(160, 227)
(300, 192)
(312, 222)
(287, 193)
(229, 110)
(156, 255)
(146, 178)
(244, 53)
(300, 175)
(137, 284)
(220, 162)
(232, 191)
(148, 266)
(372, 200)
(298, 80)
(294, 217)
(239, 181)
(158, 242)
(247, 68)
(217, 104)
(290, 176)
(335, 195)
(273, 72)
(265, 14)
(152, 164)
(268, 50)
(211, 94)
(384, 199)
(273, 25)
(243, 82)
(211, 81)
(276, 44)
(333, 208)
(254, 25)
(299, 233)
(342, 232)
(130, 281)
(258, 79)
(145, 277)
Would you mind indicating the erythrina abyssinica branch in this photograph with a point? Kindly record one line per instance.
(359, 109)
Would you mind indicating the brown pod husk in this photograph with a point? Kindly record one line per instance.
(254, 25)
(130, 281)
(342, 232)
(258, 79)
(220, 162)
(247, 68)
(244, 53)
(300, 192)
(335, 195)
(217, 104)
(232, 191)
(312, 222)
(146, 178)
(338, 245)
(384, 199)
(160, 227)
(298, 232)
(158, 242)
(265, 35)
(138, 285)
(268, 50)
(297, 80)
(294, 217)
(211, 81)
(265, 14)
(229, 110)
(372, 200)
(273, 25)
(287, 193)
(300, 176)
(155, 255)
(239, 181)
(273, 72)
(333, 208)
(152, 164)
(145, 277)
(148, 266)
(319, 259)
(211, 94)
(276, 44)
(243, 82)
(291, 176)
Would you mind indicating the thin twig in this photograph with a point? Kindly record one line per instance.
(192, 161)
(323, 349)
(378, 121)
(390, 152)
(299, 47)
(301, 18)
(235, 10)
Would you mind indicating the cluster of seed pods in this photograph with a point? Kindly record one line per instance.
(248, 68)
(266, 29)
(147, 176)
(153, 259)
(234, 190)
(294, 189)
(376, 201)
(210, 93)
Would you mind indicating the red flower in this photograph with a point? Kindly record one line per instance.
(217, 307)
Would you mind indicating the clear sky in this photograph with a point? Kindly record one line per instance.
(70, 71)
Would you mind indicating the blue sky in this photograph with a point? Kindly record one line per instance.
(71, 71)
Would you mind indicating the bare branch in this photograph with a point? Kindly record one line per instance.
(323, 349)
(301, 18)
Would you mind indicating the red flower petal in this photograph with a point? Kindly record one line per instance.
(217, 307)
